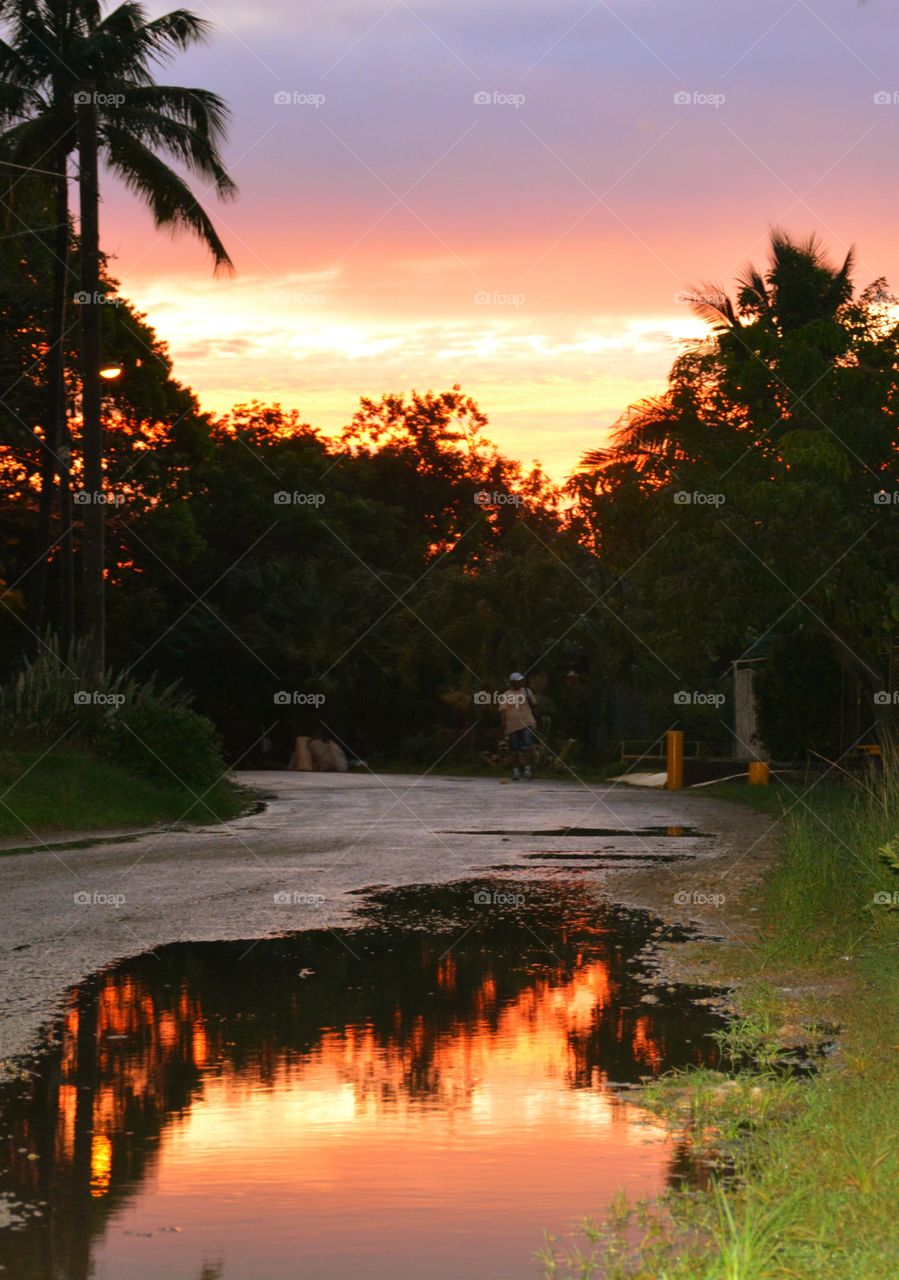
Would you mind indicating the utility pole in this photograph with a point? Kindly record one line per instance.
(93, 550)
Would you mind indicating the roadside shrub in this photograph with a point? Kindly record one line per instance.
(38, 703)
(152, 732)
(55, 696)
(166, 742)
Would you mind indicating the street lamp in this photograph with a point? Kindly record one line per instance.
(111, 371)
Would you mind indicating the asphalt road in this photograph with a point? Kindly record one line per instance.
(67, 912)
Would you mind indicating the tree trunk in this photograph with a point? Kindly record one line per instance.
(54, 419)
(67, 630)
(93, 621)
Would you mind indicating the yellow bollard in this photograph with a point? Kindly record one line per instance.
(759, 773)
(675, 761)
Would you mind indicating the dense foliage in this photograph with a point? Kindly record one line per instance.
(751, 509)
(368, 586)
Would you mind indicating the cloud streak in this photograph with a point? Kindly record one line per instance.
(698, 128)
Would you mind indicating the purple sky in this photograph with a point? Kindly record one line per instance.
(393, 232)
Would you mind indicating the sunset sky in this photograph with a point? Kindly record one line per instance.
(392, 231)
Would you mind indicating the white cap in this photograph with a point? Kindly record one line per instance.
(516, 675)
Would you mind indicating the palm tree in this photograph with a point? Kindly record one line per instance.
(75, 82)
(801, 287)
(40, 141)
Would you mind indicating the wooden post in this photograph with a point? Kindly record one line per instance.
(675, 761)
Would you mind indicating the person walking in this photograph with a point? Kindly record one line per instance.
(516, 709)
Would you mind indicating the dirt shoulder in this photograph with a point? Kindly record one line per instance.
(720, 896)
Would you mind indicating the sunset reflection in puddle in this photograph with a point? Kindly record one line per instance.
(420, 1096)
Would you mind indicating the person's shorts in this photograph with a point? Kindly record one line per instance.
(521, 739)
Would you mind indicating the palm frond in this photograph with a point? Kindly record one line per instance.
(157, 40)
(33, 142)
(596, 459)
(18, 101)
(202, 110)
(168, 197)
(713, 305)
(843, 277)
(753, 295)
(15, 68)
(186, 144)
(179, 29)
(648, 426)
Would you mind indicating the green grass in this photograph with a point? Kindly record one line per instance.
(773, 799)
(69, 791)
(820, 902)
(812, 1180)
(839, 1156)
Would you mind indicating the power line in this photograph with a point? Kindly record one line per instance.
(31, 169)
(33, 231)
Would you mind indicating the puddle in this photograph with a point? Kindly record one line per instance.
(618, 832)
(420, 1095)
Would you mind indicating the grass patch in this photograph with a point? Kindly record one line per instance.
(774, 799)
(802, 1174)
(821, 902)
(719, 1110)
(73, 791)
